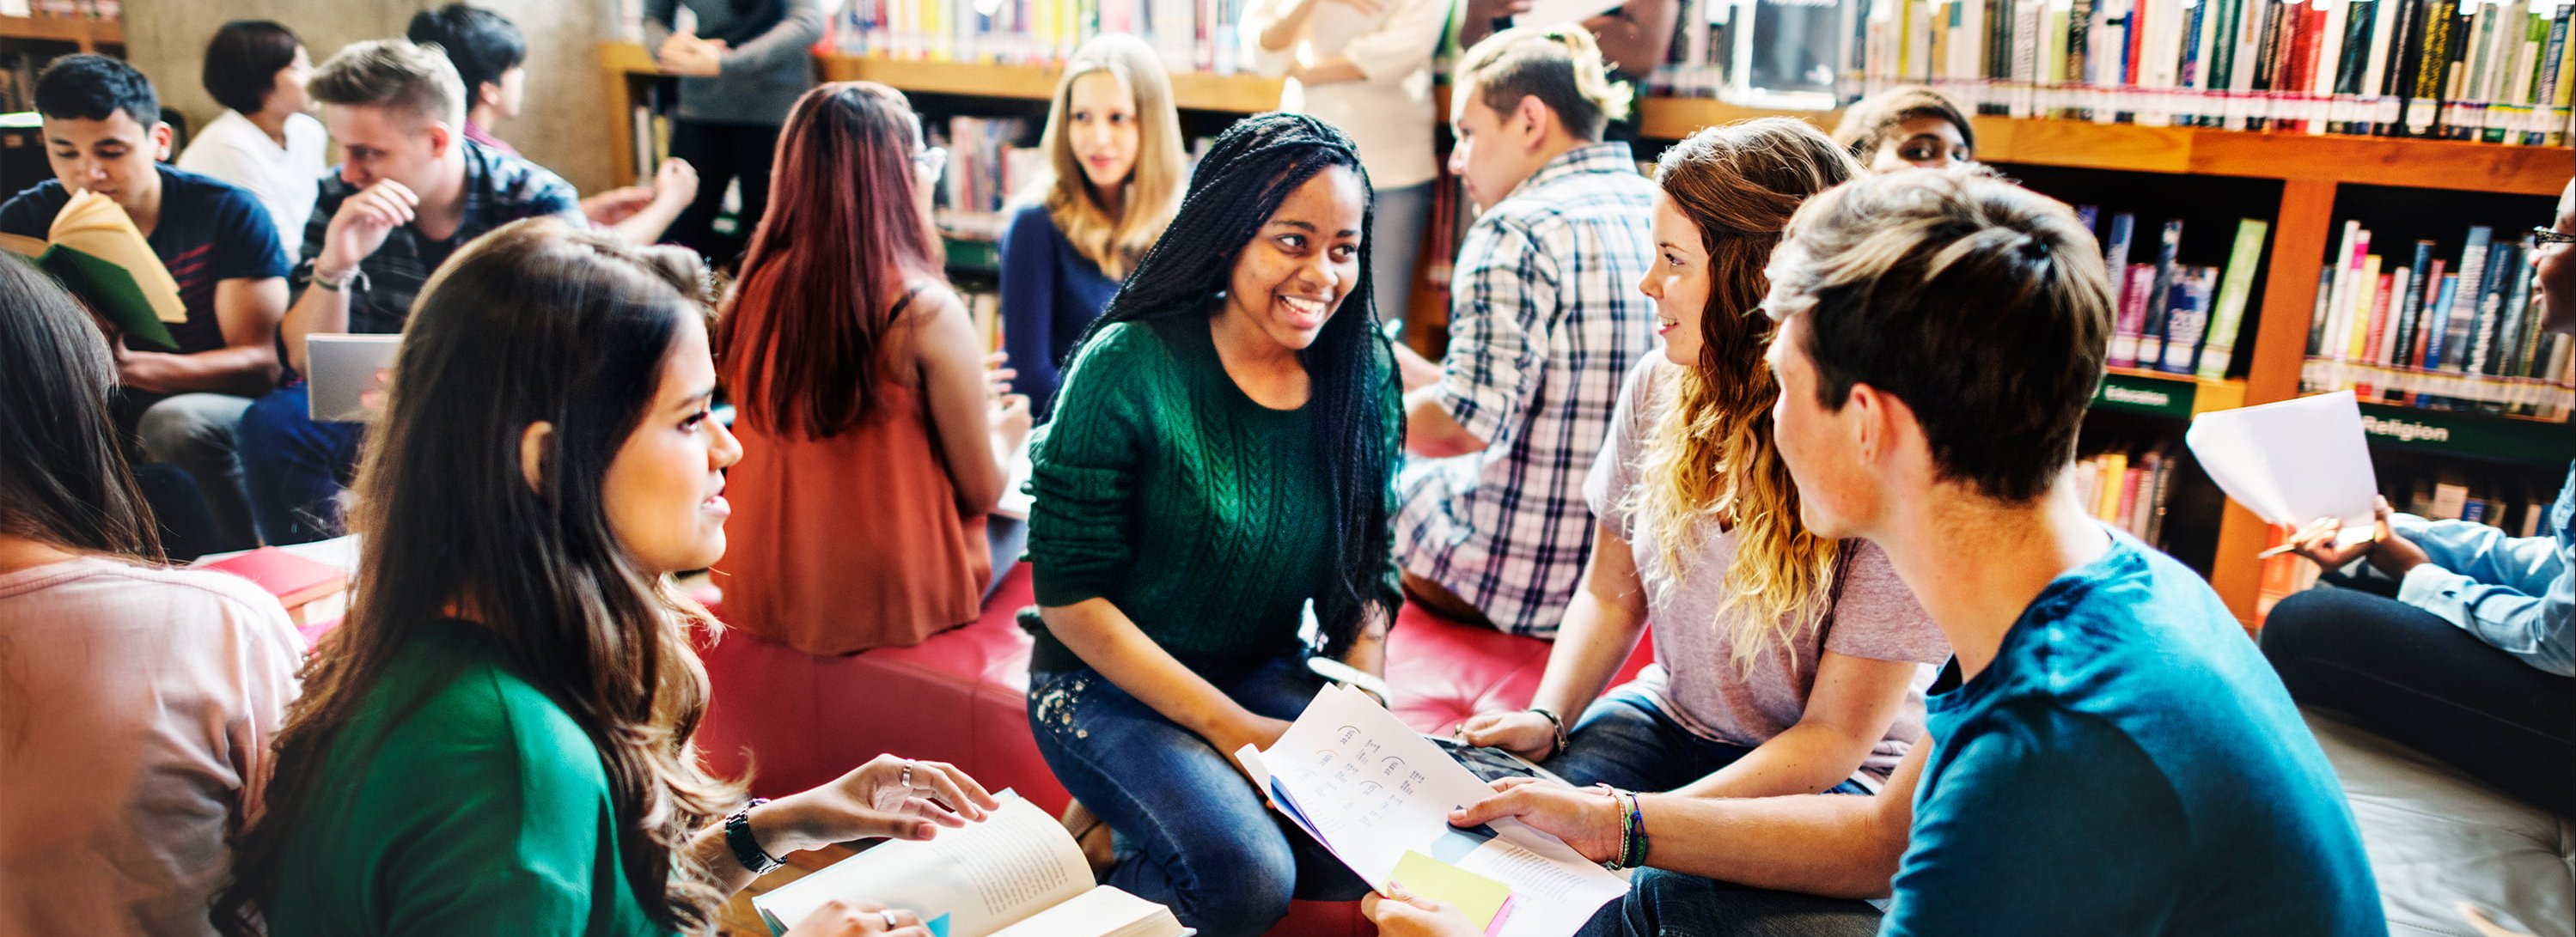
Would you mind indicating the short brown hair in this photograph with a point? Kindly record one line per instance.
(1559, 65)
(1866, 124)
(1983, 305)
(393, 73)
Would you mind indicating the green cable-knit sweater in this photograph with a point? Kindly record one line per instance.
(1199, 513)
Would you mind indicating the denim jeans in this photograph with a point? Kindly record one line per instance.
(1670, 904)
(1626, 741)
(1191, 832)
(294, 468)
(197, 433)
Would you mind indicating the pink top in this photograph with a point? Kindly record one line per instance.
(1694, 678)
(137, 706)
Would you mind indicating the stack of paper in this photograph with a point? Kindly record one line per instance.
(2292, 462)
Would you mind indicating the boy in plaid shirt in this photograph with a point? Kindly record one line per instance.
(1544, 320)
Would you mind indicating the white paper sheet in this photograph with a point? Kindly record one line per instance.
(1369, 788)
(2292, 462)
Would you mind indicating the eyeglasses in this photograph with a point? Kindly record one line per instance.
(930, 161)
(2541, 236)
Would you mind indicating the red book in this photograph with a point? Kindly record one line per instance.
(295, 581)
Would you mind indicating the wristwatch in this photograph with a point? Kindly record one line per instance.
(746, 848)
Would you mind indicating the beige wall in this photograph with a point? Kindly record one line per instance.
(561, 129)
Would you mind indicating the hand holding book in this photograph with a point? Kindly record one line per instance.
(889, 798)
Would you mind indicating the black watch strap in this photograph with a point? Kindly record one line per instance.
(746, 849)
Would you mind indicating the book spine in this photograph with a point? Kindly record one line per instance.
(2427, 322)
(2402, 344)
(2472, 291)
(2187, 322)
(2382, 300)
(2365, 290)
(2424, 103)
(2235, 290)
(2115, 260)
(2503, 261)
(2151, 333)
(2340, 295)
(2437, 326)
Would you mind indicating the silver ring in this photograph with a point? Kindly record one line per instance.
(890, 921)
(907, 774)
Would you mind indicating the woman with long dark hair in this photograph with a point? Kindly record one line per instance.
(498, 738)
(136, 701)
(1222, 454)
(874, 443)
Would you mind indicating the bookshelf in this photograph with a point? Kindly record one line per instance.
(87, 35)
(2309, 170)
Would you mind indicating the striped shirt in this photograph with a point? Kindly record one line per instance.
(498, 190)
(1545, 319)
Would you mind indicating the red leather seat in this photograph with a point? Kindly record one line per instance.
(960, 697)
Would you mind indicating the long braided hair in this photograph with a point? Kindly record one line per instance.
(1239, 184)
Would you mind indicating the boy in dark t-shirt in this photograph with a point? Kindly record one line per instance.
(103, 133)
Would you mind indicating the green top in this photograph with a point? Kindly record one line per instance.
(1198, 512)
(460, 800)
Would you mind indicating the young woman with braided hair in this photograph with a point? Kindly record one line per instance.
(1222, 454)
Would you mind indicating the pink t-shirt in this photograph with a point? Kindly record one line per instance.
(1695, 679)
(137, 706)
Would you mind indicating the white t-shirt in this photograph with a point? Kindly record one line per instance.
(1387, 114)
(286, 179)
(137, 707)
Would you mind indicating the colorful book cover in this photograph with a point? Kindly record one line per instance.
(2236, 289)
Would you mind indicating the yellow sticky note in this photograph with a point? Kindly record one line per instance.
(1483, 899)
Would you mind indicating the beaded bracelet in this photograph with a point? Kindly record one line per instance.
(1631, 832)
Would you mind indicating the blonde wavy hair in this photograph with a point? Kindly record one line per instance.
(1559, 65)
(1709, 457)
(1114, 242)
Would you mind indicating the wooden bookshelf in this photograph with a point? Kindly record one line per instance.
(87, 34)
(2310, 167)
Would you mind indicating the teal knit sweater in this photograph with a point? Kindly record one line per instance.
(1199, 513)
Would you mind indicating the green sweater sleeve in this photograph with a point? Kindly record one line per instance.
(1083, 477)
(1391, 414)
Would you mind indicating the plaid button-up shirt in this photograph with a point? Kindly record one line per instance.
(499, 189)
(1544, 320)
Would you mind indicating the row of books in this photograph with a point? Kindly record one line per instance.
(987, 166)
(65, 9)
(2128, 487)
(2502, 71)
(1191, 35)
(2445, 332)
(2174, 317)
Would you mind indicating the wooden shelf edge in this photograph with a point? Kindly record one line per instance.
(2391, 161)
(82, 31)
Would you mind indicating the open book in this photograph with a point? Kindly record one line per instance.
(1378, 795)
(98, 254)
(1015, 874)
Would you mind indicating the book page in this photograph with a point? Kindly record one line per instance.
(1106, 911)
(984, 876)
(95, 225)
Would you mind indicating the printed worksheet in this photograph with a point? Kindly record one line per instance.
(1369, 788)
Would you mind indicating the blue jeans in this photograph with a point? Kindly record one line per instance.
(1190, 830)
(1670, 904)
(1626, 741)
(293, 468)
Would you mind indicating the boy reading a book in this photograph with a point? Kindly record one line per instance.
(103, 134)
(1544, 320)
(410, 190)
(2110, 754)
